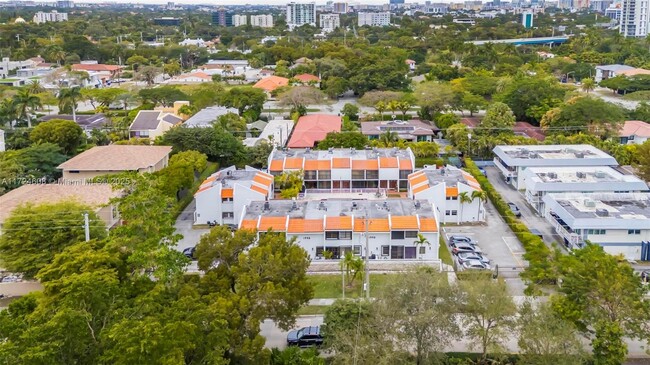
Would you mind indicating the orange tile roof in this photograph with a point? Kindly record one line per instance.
(293, 163)
(405, 165)
(227, 193)
(202, 188)
(338, 223)
(324, 164)
(271, 83)
(311, 165)
(299, 225)
(263, 179)
(451, 192)
(313, 128)
(341, 163)
(428, 225)
(275, 223)
(418, 179)
(209, 179)
(404, 222)
(276, 165)
(365, 165)
(249, 224)
(306, 78)
(376, 225)
(388, 162)
(420, 188)
(417, 173)
(259, 189)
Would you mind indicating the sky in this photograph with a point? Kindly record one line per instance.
(238, 2)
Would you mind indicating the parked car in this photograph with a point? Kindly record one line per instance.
(515, 209)
(645, 276)
(482, 170)
(475, 265)
(465, 240)
(190, 252)
(465, 247)
(305, 337)
(459, 238)
(468, 256)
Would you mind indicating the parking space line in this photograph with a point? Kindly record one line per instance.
(520, 264)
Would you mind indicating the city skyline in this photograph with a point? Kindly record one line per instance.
(238, 2)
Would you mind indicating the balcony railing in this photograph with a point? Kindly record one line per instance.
(350, 190)
(506, 171)
(574, 239)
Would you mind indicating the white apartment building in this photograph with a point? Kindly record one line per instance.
(340, 8)
(329, 22)
(513, 160)
(635, 15)
(444, 189)
(301, 14)
(620, 223)
(374, 19)
(541, 181)
(264, 21)
(53, 16)
(239, 20)
(343, 170)
(223, 195)
(390, 227)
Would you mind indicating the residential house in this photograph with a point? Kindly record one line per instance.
(541, 181)
(413, 130)
(523, 129)
(389, 228)
(207, 116)
(412, 64)
(190, 78)
(447, 189)
(513, 160)
(222, 196)
(634, 132)
(276, 132)
(312, 129)
(187, 42)
(271, 83)
(342, 170)
(96, 196)
(114, 159)
(109, 71)
(307, 79)
(152, 124)
(619, 222)
(85, 121)
(605, 72)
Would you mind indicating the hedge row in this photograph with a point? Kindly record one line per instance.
(539, 256)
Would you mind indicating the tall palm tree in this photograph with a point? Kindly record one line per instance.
(482, 198)
(421, 241)
(463, 198)
(35, 87)
(68, 98)
(26, 102)
(393, 106)
(352, 265)
(404, 107)
(380, 107)
(588, 85)
(388, 138)
(8, 112)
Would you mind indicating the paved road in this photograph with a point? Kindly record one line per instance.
(609, 96)
(191, 236)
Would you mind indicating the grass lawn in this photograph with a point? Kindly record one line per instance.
(643, 95)
(329, 286)
(443, 253)
(312, 309)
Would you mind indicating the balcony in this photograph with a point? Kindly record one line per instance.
(574, 240)
(505, 170)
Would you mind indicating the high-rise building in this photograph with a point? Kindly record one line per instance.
(222, 18)
(635, 15)
(65, 4)
(264, 21)
(340, 8)
(374, 19)
(527, 19)
(396, 1)
(329, 22)
(54, 16)
(239, 20)
(613, 13)
(301, 14)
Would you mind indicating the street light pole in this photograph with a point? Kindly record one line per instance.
(366, 285)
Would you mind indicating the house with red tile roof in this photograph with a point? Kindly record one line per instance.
(634, 132)
(271, 83)
(312, 129)
(307, 78)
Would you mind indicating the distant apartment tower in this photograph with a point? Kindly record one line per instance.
(635, 15)
(527, 19)
(222, 18)
(340, 8)
(613, 13)
(239, 20)
(301, 14)
(264, 21)
(396, 1)
(329, 22)
(600, 5)
(374, 19)
(167, 21)
(54, 16)
(65, 4)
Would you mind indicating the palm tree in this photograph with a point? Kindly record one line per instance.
(352, 265)
(463, 198)
(68, 98)
(393, 105)
(404, 107)
(588, 85)
(380, 107)
(8, 112)
(35, 87)
(25, 102)
(482, 198)
(388, 138)
(422, 241)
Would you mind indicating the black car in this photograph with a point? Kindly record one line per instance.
(305, 337)
(190, 252)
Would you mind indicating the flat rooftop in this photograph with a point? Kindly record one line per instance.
(632, 206)
(583, 174)
(365, 154)
(547, 155)
(230, 176)
(449, 175)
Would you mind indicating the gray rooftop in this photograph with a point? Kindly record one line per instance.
(450, 175)
(315, 209)
(554, 155)
(632, 206)
(230, 175)
(365, 154)
(581, 174)
(205, 117)
(615, 67)
(84, 121)
(405, 129)
(146, 120)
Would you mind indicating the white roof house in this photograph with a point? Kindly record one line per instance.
(513, 160)
(543, 180)
(620, 222)
(205, 117)
(276, 131)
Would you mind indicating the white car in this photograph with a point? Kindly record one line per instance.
(475, 265)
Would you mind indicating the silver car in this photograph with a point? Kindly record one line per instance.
(467, 256)
(475, 265)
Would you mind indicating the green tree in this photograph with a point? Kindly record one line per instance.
(524, 95)
(642, 112)
(33, 234)
(290, 183)
(8, 112)
(216, 143)
(335, 86)
(433, 97)
(64, 133)
(588, 85)
(136, 61)
(68, 99)
(482, 197)
(351, 111)
(463, 198)
(301, 96)
(233, 123)
(643, 157)
(381, 107)
(404, 107)
(498, 119)
(105, 97)
(38, 162)
(258, 156)
(354, 140)
(472, 103)
(388, 138)
(148, 74)
(444, 121)
(424, 149)
(371, 98)
(25, 102)
(172, 69)
(164, 95)
(587, 114)
(244, 98)
(181, 171)
(353, 265)
(602, 296)
(296, 356)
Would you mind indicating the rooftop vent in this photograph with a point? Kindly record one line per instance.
(590, 203)
(581, 175)
(417, 204)
(580, 155)
(352, 151)
(294, 205)
(599, 174)
(330, 150)
(552, 175)
(308, 149)
(267, 206)
(321, 206)
(442, 171)
(602, 212)
(354, 205)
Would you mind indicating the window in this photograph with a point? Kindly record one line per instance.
(372, 174)
(596, 231)
(338, 235)
(411, 234)
(319, 251)
(633, 231)
(324, 175)
(225, 200)
(227, 215)
(423, 250)
(385, 250)
(73, 171)
(345, 235)
(397, 235)
(332, 235)
(404, 174)
(447, 212)
(454, 212)
(452, 198)
(358, 175)
(310, 175)
(357, 250)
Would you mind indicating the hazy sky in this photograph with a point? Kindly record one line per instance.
(238, 2)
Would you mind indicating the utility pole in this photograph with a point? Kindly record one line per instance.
(86, 227)
(366, 285)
